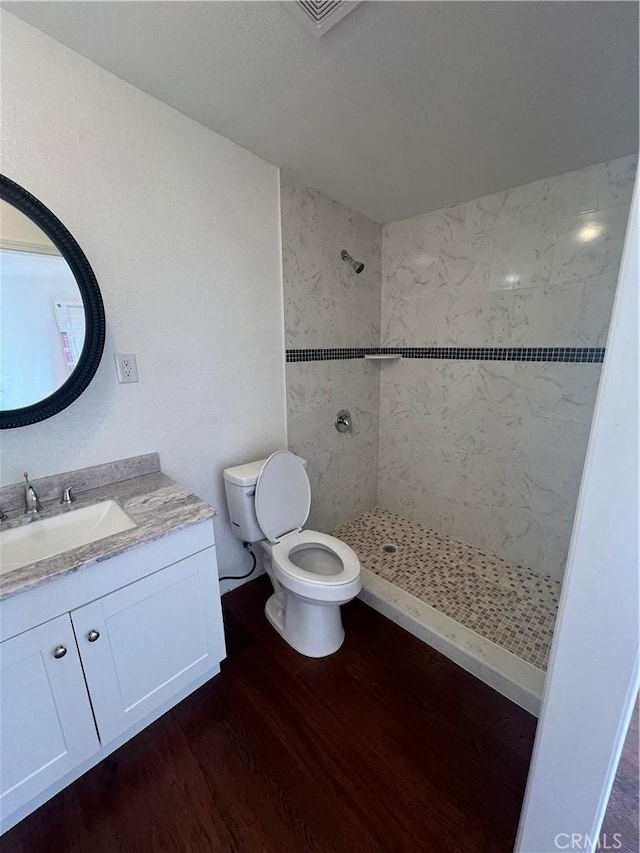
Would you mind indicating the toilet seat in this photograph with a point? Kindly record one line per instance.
(283, 554)
(343, 585)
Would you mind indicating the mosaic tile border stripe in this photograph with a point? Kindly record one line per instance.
(582, 355)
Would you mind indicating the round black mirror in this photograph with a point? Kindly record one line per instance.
(52, 323)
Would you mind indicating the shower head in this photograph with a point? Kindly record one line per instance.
(358, 266)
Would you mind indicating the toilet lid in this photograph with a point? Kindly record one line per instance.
(283, 495)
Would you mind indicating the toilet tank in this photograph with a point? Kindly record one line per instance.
(240, 488)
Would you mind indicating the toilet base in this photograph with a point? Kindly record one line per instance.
(313, 628)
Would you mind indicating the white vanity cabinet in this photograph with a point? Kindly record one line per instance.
(143, 643)
(46, 724)
(116, 645)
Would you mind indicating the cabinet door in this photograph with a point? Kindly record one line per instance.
(155, 636)
(46, 724)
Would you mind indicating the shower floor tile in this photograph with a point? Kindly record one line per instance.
(511, 606)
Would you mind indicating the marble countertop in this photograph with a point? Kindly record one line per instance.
(156, 503)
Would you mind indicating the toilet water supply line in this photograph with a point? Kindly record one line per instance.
(247, 547)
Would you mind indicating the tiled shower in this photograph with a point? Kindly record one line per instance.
(328, 306)
(500, 308)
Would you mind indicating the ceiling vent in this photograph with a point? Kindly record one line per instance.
(319, 16)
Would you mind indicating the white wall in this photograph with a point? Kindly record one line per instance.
(182, 229)
(593, 674)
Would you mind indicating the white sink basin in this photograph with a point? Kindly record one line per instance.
(46, 537)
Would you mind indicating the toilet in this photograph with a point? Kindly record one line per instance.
(312, 573)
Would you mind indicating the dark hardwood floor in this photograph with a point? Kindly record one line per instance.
(620, 829)
(384, 746)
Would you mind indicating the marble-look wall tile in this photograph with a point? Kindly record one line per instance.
(347, 323)
(328, 305)
(615, 182)
(513, 531)
(441, 227)
(487, 452)
(522, 257)
(564, 392)
(555, 549)
(562, 195)
(303, 320)
(543, 316)
(299, 214)
(492, 452)
(322, 468)
(297, 387)
(342, 467)
(491, 212)
(595, 313)
(442, 270)
(589, 246)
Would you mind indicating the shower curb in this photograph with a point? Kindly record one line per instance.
(518, 680)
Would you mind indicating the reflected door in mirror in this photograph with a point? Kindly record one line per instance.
(42, 318)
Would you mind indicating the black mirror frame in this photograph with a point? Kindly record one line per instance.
(95, 325)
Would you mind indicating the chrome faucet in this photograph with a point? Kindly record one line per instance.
(31, 499)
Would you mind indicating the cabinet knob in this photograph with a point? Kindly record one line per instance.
(59, 652)
(93, 635)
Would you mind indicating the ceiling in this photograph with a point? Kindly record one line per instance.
(403, 107)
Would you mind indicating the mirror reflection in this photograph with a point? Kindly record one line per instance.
(42, 323)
